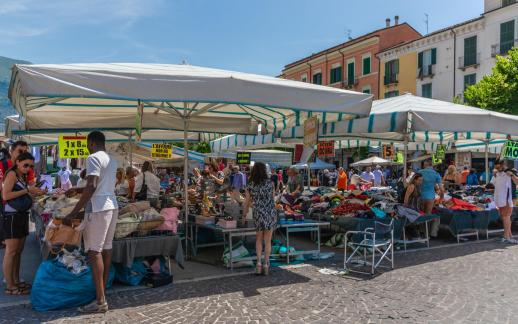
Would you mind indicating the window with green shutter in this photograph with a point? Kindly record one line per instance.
(425, 61)
(336, 74)
(506, 36)
(469, 80)
(470, 51)
(426, 90)
(391, 72)
(317, 78)
(350, 73)
(366, 65)
(367, 90)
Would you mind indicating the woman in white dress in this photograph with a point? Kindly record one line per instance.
(504, 197)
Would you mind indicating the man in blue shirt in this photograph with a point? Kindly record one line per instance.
(238, 179)
(431, 182)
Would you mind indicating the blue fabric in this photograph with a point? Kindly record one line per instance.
(131, 276)
(239, 181)
(55, 287)
(430, 179)
(472, 180)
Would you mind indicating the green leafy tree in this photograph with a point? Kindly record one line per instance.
(499, 90)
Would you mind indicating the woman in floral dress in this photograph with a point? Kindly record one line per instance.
(260, 196)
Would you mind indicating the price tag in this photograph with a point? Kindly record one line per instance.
(326, 149)
(72, 147)
(162, 151)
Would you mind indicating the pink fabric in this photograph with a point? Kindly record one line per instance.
(170, 216)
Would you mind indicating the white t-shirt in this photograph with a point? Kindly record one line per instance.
(64, 175)
(81, 183)
(103, 166)
(355, 179)
(152, 182)
(503, 189)
(367, 176)
(378, 174)
(122, 189)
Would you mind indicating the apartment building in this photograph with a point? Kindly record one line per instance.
(353, 64)
(441, 65)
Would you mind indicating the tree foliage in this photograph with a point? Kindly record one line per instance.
(499, 90)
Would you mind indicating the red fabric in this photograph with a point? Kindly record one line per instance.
(462, 205)
(30, 174)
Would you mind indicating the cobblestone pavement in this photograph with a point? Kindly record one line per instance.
(470, 283)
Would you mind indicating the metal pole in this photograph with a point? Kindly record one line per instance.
(405, 153)
(130, 151)
(486, 157)
(185, 180)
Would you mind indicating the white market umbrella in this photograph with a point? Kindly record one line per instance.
(372, 161)
(172, 97)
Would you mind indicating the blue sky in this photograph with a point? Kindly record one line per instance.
(258, 36)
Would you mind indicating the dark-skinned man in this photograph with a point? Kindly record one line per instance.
(101, 212)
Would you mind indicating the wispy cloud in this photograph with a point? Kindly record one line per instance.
(11, 6)
(22, 32)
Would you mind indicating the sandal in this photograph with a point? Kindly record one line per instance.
(24, 285)
(258, 269)
(16, 292)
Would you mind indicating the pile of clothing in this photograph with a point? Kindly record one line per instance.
(474, 198)
(141, 219)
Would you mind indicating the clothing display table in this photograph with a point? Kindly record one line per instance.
(248, 229)
(125, 250)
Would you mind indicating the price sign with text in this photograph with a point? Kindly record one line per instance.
(72, 147)
(388, 152)
(510, 150)
(243, 157)
(326, 149)
(162, 151)
(440, 153)
(311, 132)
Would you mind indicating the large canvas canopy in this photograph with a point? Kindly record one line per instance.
(15, 130)
(105, 96)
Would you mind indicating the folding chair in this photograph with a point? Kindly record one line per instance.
(377, 240)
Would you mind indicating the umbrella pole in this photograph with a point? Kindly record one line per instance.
(486, 158)
(185, 181)
(130, 151)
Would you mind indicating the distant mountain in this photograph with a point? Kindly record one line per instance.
(5, 77)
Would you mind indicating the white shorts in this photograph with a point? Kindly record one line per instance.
(99, 230)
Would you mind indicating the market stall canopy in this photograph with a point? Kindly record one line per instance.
(317, 165)
(105, 96)
(372, 161)
(15, 130)
(419, 120)
(245, 142)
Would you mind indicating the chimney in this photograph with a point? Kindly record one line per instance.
(387, 21)
(396, 20)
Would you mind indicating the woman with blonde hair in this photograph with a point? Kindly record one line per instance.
(451, 175)
(121, 186)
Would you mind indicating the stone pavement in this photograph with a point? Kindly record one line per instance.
(466, 283)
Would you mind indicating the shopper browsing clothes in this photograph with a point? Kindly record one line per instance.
(341, 183)
(101, 211)
(379, 178)
(260, 196)
(502, 181)
(294, 186)
(147, 185)
(367, 175)
(431, 183)
(17, 195)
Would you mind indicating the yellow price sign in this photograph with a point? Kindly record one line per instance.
(162, 151)
(72, 147)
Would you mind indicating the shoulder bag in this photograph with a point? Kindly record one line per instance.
(22, 203)
(142, 194)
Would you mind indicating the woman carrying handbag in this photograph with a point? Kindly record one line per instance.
(17, 196)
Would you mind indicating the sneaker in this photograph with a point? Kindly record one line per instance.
(503, 240)
(94, 307)
(511, 241)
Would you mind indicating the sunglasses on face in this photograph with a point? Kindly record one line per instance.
(28, 165)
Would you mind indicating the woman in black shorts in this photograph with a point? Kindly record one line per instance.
(17, 202)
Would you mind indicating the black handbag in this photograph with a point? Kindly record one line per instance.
(22, 203)
(142, 194)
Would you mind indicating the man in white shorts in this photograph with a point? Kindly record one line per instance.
(101, 212)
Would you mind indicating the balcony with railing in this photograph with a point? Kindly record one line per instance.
(390, 79)
(350, 83)
(503, 48)
(427, 71)
(471, 60)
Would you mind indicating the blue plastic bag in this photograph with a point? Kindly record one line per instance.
(131, 276)
(55, 287)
